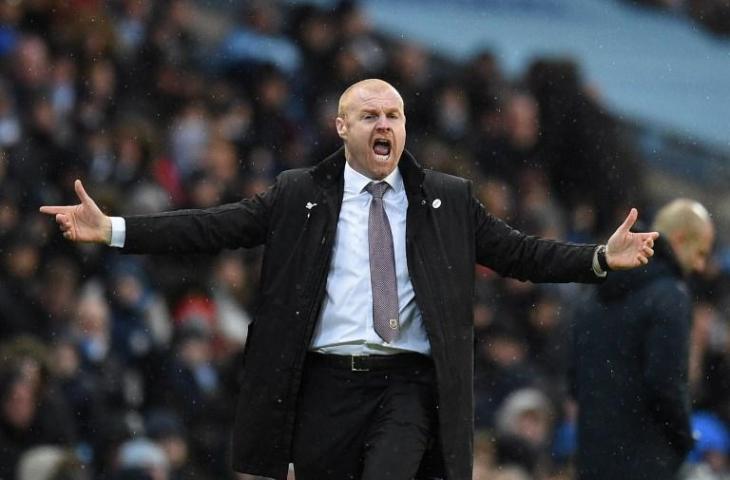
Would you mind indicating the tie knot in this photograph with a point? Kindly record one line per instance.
(377, 190)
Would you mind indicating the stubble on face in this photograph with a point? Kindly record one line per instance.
(371, 123)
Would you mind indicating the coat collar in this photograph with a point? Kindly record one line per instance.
(327, 172)
(330, 170)
(663, 249)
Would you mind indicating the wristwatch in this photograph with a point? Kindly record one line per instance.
(601, 256)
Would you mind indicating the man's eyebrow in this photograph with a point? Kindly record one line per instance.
(376, 110)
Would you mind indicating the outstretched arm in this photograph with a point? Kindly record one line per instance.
(626, 249)
(83, 222)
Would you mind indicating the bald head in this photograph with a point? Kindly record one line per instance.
(689, 229)
(683, 215)
(360, 90)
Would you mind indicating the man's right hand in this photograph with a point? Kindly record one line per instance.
(84, 222)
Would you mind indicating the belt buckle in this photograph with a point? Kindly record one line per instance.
(353, 364)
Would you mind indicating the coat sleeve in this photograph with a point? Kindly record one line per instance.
(666, 351)
(234, 225)
(511, 253)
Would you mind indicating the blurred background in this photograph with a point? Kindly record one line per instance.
(564, 113)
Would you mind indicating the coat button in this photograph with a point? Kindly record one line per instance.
(436, 203)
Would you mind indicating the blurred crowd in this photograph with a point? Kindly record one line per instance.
(123, 367)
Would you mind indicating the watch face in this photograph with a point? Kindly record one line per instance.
(602, 258)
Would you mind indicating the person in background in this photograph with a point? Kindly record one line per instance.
(631, 354)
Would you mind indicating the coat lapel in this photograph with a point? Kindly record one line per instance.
(413, 177)
(328, 175)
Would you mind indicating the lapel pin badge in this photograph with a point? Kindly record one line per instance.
(309, 206)
(436, 203)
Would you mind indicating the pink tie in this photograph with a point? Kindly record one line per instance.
(382, 266)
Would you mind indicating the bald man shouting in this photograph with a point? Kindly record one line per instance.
(359, 360)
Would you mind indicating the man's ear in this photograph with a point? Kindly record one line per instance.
(341, 127)
(677, 239)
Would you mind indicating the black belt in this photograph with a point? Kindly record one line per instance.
(367, 363)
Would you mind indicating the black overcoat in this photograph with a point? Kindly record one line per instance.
(447, 232)
(631, 343)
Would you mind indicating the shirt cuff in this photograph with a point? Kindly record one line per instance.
(119, 232)
(600, 273)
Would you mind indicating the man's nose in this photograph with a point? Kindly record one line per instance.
(382, 123)
(700, 265)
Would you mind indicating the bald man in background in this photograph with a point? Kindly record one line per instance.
(359, 360)
(631, 357)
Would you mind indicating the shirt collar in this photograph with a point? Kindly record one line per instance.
(355, 181)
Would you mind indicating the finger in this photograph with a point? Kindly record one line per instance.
(648, 236)
(64, 222)
(649, 252)
(53, 210)
(630, 220)
(643, 260)
(81, 193)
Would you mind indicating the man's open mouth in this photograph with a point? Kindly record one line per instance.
(381, 147)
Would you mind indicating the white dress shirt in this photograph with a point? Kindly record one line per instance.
(345, 325)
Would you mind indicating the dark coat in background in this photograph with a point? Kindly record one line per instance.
(296, 219)
(631, 343)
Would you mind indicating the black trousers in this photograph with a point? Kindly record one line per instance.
(363, 425)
